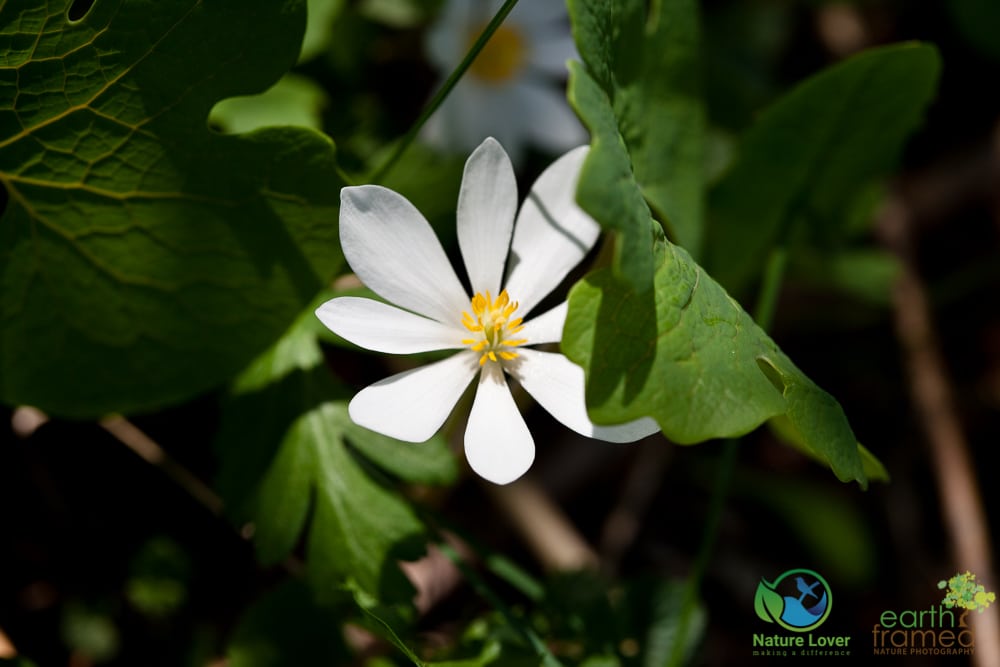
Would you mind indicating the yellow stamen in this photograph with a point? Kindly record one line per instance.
(492, 322)
(502, 57)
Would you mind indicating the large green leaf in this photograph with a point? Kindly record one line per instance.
(144, 258)
(687, 354)
(639, 94)
(803, 164)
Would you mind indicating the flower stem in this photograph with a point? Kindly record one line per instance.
(443, 92)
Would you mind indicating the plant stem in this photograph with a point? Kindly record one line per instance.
(767, 299)
(443, 92)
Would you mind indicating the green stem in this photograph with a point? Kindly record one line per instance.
(443, 92)
(774, 273)
(770, 288)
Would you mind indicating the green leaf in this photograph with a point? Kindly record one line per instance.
(294, 100)
(385, 620)
(687, 354)
(430, 462)
(659, 607)
(835, 532)
(803, 164)
(787, 431)
(767, 602)
(643, 106)
(143, 256)
(358, 529)
(289, 464)
(864, 274)
(319, 29)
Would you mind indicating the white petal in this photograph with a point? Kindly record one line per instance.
(487, 203)
(558, 386)
(550, 49)
(552, 234)
(498, 444)
(547, 327)
(413, 405)
(472, 112)
(556, 127)
(539, 11)
(395, 253)
(383, 328)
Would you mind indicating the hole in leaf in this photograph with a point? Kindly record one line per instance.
(772, 373)
(79, 9)
(3, 199)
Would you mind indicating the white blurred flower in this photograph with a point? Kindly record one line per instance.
(395, 253)
(513, 89)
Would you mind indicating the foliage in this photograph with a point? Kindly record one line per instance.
(171, 224)
(138, 246)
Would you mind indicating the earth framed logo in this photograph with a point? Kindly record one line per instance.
(798, 600)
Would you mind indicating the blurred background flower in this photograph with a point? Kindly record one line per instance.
(513, 90)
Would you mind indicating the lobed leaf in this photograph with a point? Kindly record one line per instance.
(291, 464)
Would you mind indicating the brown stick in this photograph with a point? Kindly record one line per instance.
(952, 465)
(544, 527)
(129, 434)
(7, 649)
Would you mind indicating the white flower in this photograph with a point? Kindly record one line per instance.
(394, 251)
(510, 91)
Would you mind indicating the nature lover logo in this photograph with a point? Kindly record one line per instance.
(798, 600)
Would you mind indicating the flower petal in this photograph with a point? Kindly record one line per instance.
(475, 109)
(498, 444)
(384, 328)
(558, 386)
(551, 47)
(487, 204)
(555, 128)
(547, 327)
(552, 234)
(414, 404)
(539, 12)
(395, 253)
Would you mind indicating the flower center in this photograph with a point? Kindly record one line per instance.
(492, 326)
(502, 56)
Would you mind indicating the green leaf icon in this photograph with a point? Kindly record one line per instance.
(767, 602)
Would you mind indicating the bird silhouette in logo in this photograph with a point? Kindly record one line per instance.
(805, 588)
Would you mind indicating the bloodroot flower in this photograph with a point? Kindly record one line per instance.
(394, 251)
(515, 88)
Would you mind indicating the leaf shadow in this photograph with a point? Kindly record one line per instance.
(624, 342)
